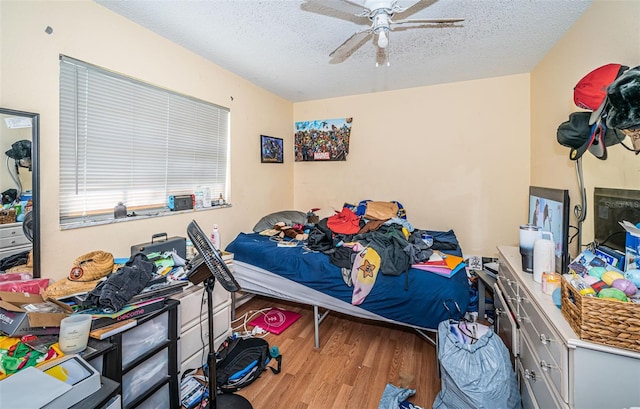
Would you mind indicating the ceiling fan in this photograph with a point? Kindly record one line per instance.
(380, 13)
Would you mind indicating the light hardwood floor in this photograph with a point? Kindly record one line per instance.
(355, 361)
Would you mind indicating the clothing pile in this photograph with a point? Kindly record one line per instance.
(373, 237)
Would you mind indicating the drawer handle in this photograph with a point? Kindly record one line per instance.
(531, 375)
(545, 366)
(544, 339)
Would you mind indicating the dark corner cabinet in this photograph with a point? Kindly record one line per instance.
(145, 360)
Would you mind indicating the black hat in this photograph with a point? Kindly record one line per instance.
(577, 134)
(624, 99)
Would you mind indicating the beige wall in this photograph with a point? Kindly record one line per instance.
(608, 32)
(90, 32)
(455, 155)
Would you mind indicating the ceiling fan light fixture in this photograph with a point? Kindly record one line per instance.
(383, 40)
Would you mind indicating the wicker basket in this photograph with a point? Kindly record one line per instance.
(7, 216)
(608, 322)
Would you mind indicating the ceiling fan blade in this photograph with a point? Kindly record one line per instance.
(414, 8)
(428, 21)
(350, 43)
(348, 7)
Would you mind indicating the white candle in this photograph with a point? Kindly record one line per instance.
(74, 333)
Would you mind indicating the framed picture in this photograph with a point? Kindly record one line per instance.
(271, 149)
(322, 140)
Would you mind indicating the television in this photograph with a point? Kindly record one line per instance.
(549, 210)
(610, 207)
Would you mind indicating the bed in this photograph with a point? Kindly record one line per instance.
(417, 299)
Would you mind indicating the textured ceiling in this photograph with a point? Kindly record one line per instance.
(284, 45)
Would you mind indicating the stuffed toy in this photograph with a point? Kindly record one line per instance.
(293, 232)
(624, 99)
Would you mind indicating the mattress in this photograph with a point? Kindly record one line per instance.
(416, 298)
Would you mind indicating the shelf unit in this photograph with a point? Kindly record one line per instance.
(145, 360)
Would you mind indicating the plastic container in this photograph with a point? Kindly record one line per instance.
(550, 281)
(215, 237)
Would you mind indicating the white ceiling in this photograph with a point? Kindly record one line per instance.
(284, 45)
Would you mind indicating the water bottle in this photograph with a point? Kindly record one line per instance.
(199, 193)
(206, 200)
(215, 237)
(191, 250)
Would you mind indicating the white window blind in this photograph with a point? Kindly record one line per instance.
(123, 140)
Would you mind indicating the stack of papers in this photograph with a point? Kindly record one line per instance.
(440, 263)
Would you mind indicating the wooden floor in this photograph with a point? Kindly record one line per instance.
(355, 361)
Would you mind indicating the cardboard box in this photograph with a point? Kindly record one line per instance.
(15, 321)
(632, 246)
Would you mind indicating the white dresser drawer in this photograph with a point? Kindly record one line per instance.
(193, 304)
(546, 343)
(194, 338)
(14, 241)
(11, 230)
(14, 250)
(509, 286)
(199, 358)
(537, 378)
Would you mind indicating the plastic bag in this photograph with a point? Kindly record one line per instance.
(475, 375)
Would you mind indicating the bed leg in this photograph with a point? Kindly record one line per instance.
(316, 325)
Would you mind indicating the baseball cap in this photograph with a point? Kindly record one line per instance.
(624, 99)
(577, 134)
(591, 91)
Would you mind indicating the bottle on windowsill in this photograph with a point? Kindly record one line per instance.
(220, 200)
(215, 237)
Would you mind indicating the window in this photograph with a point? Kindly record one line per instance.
(123, 140)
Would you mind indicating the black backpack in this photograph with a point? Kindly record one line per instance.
(241, 361)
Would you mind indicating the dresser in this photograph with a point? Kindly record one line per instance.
(555, 368)
(12, 240)
(193, 317)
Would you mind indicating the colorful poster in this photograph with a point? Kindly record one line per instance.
(322, 140)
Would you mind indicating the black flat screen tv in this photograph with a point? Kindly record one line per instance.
(549, 210)
(610, 207)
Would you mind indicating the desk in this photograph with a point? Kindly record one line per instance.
(484, 281)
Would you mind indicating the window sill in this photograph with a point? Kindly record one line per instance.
(95, 221)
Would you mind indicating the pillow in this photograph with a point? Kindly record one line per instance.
(288, 217)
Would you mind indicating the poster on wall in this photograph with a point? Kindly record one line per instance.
(271, 149)
(322, 140)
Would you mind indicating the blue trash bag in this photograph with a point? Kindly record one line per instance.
(475, 375)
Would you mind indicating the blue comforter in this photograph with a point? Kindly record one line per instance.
(419, 304)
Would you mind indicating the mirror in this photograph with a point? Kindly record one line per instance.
(19, 183)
